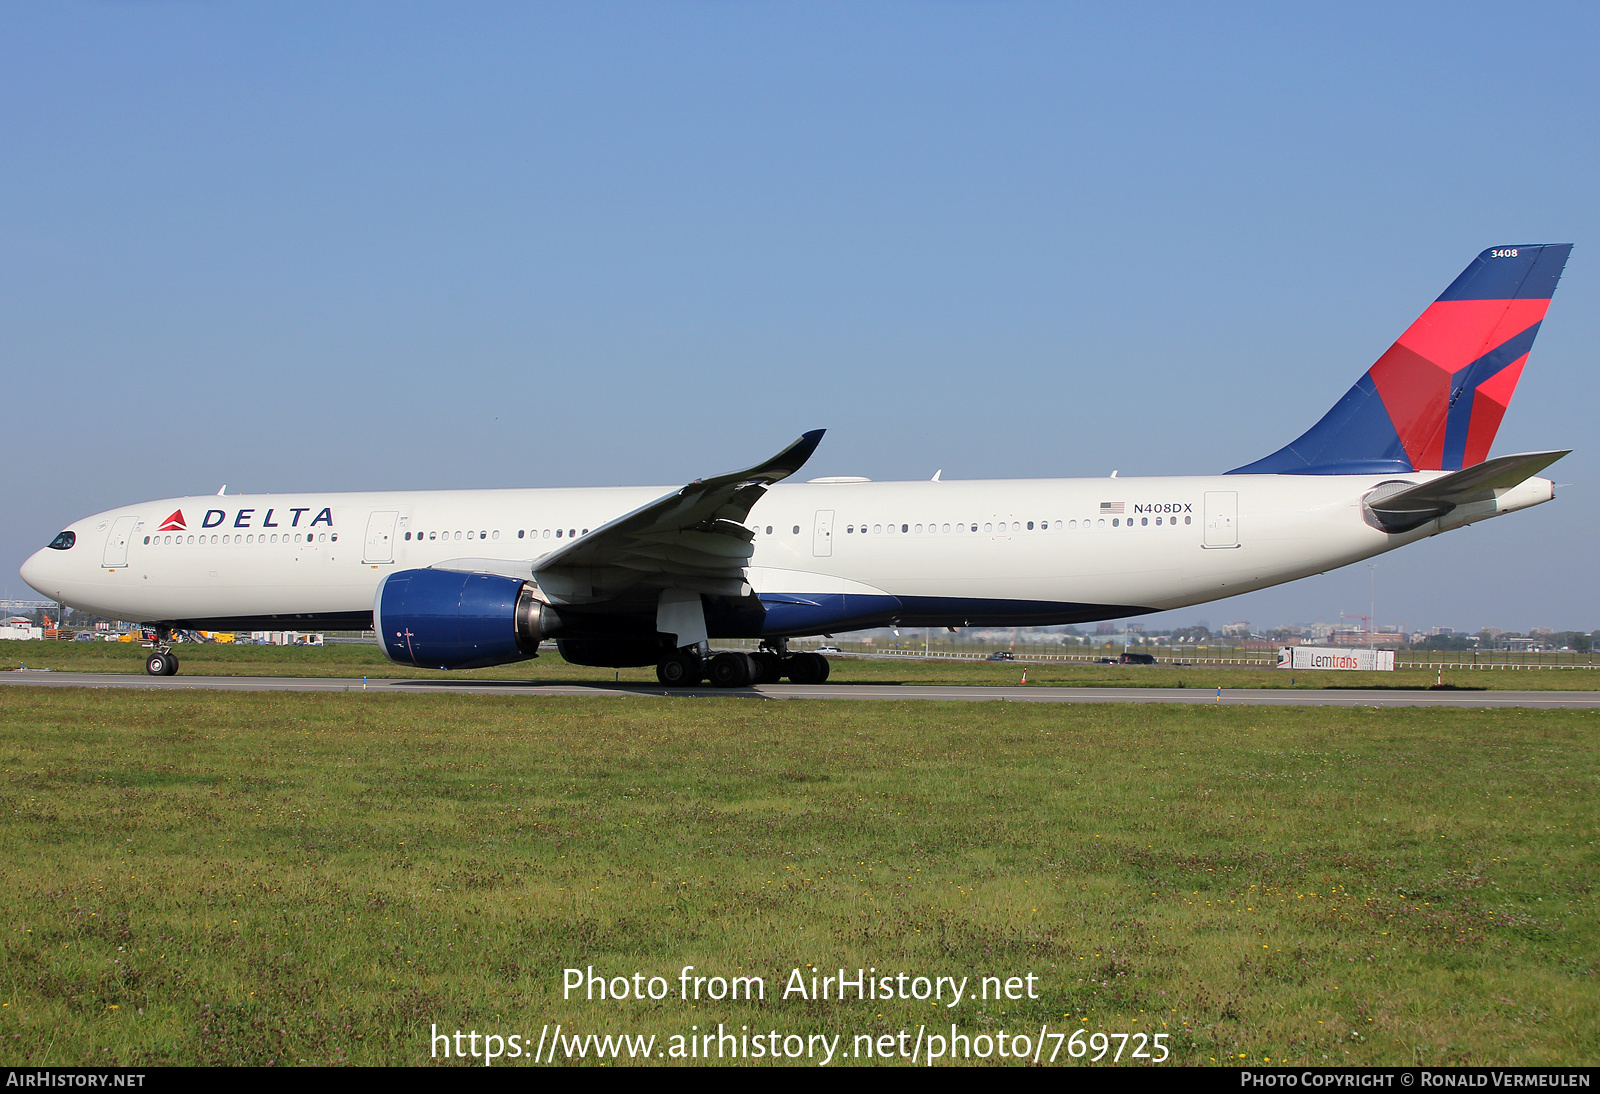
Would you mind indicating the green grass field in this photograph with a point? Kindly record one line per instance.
(350, 660)
(196, 877)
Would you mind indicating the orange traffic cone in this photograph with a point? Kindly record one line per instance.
(1024, 676)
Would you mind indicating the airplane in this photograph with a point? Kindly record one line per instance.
(639, 576)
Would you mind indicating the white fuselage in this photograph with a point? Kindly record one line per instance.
(951, 552)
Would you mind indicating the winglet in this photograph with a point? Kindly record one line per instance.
(776, 469)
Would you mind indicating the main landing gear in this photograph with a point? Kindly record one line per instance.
(686, 667)
(162, 661)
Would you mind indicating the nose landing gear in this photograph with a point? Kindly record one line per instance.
(161, 664)
(162, 661)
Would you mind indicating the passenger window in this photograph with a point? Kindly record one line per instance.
(946, 527)
(769, 529)
(1030, 526)
(919, 529)
(903, 527)
(521, 532)
(797, 529)
(877, 529)
(1144, 522)
(558, 533)
(1187, 519)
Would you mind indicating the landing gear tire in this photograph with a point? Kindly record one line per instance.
(769, 667)
(679, 670)
(161, 664)
(732, 670)
(806, 668)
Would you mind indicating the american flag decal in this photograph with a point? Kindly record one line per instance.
(1110, 508)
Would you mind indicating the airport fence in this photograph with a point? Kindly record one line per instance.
(1432, 660)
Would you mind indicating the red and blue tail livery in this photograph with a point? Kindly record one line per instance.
(1434, 401)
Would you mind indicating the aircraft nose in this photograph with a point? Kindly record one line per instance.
(38, 570)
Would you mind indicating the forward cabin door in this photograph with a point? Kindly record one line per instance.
(1222, 518)
(822, 534)
(116, 555)
(380, 537)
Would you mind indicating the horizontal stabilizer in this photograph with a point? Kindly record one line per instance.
(1400, 510)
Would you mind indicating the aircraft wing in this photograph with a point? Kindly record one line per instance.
(693, 538)
(1407, 508)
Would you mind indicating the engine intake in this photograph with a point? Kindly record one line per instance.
(446, 619)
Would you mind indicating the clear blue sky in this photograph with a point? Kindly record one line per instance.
(401, 246)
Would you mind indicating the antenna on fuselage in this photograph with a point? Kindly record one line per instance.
(223, 491)
(936, 475)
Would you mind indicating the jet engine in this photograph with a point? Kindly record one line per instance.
(446, 619)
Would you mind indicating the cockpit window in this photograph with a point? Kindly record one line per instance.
(64, 541)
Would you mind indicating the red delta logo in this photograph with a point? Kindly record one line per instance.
(174, 523)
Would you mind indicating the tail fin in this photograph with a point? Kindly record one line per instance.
(1435, 400)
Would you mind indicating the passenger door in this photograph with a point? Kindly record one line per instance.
(380, 537)
(822, 534)
(116, 555)
(1222, 518)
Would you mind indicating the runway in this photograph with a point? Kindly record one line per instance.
(1338, 697)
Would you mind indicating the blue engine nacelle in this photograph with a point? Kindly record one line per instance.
(445, 619)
